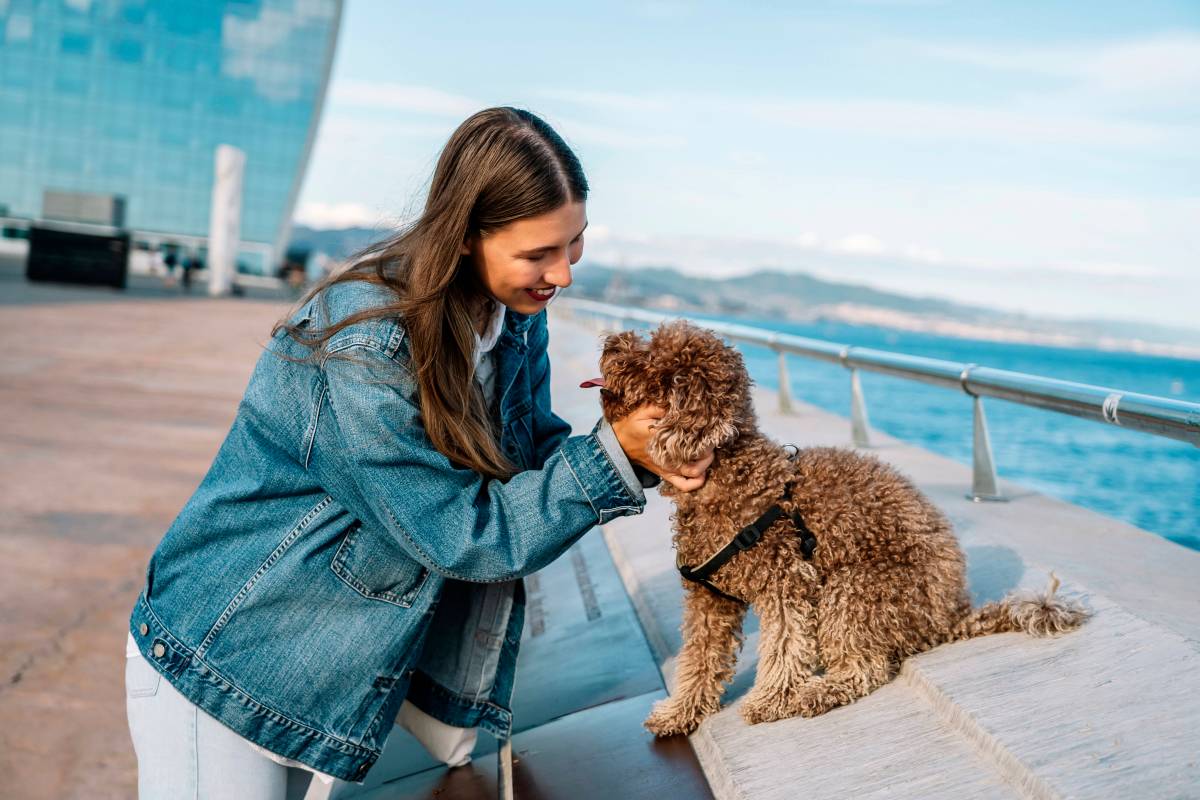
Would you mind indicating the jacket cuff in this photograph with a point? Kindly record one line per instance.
(594, 459)
(636, 474)
(627, 469)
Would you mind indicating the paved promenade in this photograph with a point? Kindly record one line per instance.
(114, 405)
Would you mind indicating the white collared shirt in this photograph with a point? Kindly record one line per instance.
(485, 372)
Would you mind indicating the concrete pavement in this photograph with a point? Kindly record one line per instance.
(114, 405)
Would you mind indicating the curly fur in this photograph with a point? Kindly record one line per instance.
(887, 580)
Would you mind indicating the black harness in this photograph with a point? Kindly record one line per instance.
(746, 539)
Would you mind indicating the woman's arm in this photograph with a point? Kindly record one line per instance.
(372, 454)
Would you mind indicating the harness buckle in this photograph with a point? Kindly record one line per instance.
(747, 537)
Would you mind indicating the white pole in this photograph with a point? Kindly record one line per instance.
(225, 219)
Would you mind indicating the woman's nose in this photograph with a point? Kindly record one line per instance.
(560, 273)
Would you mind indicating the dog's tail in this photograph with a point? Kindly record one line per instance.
(1036, 614)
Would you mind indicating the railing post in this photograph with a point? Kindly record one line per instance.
(983, 480)
(859, 429)
(785, 385)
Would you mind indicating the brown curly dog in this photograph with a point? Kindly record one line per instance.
(886, 579)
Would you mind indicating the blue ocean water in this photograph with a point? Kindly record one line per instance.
(1146, 480)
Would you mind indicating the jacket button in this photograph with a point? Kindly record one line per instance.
(143, 629)
(159, 650)
(362, 770)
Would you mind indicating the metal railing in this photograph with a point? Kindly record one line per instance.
(1161, 416)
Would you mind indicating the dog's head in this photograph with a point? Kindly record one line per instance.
(699, 381)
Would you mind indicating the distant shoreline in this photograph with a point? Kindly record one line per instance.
(888, 318)
(891, 319)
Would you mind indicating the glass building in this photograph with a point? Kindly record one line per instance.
(132, 97)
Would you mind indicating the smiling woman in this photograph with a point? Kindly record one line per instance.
(527, 263)
(503, 222)
(353, 558)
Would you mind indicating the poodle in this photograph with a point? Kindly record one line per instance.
(854, 569)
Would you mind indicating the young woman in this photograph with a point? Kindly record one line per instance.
(354, 555)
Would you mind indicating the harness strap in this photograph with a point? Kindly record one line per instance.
(746, 539)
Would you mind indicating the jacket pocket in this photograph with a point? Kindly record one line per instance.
(377, 568)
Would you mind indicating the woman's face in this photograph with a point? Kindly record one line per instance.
(530, 254)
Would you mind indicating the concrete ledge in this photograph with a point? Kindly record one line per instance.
(1106, 711)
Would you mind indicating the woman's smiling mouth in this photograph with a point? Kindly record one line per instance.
(541, 295)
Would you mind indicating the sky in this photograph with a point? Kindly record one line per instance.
(1028, 156)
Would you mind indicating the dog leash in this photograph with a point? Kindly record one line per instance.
(746, 539)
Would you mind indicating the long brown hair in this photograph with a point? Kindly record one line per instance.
(500, 165)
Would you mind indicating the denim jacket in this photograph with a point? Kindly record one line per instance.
(292, 598)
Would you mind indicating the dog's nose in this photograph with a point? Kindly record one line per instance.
(592, 382)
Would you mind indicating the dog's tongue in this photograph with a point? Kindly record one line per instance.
(592, 382)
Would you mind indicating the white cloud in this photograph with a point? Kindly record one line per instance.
(928, 254)
(426, 100)
(622, 102)
(720, 256)
(339, 215)
(858, 244)
(403, 97)
(597, 233)
(1163, 63)
(1159, 69)
(616, 138)
(942, 121)
(1050, 122)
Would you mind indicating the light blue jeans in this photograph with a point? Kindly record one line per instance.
(183, 753)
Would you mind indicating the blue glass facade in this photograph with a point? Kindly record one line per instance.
(132, 98)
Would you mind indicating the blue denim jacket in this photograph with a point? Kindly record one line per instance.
(293, 596)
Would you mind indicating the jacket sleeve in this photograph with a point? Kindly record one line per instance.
(373, 455)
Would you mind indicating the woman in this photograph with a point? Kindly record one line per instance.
(353, 556)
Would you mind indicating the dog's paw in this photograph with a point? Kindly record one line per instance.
(819, 697)
(808, 698)
(768, 706)
(668, 719)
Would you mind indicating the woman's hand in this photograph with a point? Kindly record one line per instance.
(635, 430)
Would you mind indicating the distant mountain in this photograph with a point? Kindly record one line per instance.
(800, 297)
(768, 292)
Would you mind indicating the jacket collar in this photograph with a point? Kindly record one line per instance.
(517, 322)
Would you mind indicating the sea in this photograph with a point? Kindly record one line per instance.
(1149, 481)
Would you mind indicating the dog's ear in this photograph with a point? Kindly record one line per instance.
(706, 387)
(624, 364)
